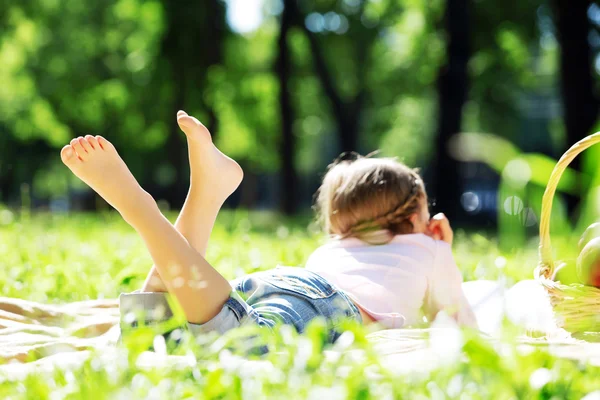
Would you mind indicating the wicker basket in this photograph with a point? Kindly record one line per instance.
(576, 306)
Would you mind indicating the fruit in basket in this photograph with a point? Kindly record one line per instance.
(588, 263)
(592, 231)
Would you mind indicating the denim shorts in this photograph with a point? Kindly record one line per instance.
(284, 295)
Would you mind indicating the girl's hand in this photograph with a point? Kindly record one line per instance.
(439, 229)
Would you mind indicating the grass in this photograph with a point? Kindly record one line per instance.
(60, 258)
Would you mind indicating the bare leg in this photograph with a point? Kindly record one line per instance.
(214, 176)
(199, 288)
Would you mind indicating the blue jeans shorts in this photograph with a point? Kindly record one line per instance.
(284, 295)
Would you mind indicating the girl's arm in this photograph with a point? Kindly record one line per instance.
(445, 291)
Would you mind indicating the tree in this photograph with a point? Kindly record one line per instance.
(347, 93)
(71, 69)
(191, 46)
(283, 66)
(452, 93)
(580, 103)
(346, 111)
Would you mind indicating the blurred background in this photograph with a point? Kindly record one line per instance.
(483, 96)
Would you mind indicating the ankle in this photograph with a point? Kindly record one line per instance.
(202, 194)
(139, 208)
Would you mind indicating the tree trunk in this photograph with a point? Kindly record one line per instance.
(577, 82)
(174, 51)
(192, 44)
(580, 103)
(215, 33)
(345, 116)
(452, 93)
(348, 133)
(289, 181)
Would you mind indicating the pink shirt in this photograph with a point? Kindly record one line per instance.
(396, 283)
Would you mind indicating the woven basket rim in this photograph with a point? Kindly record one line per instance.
(576, 306)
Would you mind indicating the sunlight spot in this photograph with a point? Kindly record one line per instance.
(315, 22)
(129, 318)
(343, 26)
(528, 217)
(470, 202)
(345, 340)
(178, 282)
(274, 7)
(159, 344)
(283, 232)
(174, 269)
(177, 334)
(159, 312)
(513, 205)
(96, 364)
(540, 377)
(595, 395)
(244, 225)
(500, 262)
(6, 217)
(255, 257)
(303, 354)
(334, 392)
(332, 21)
(191, 361)
(196, 275)
(593, 13)
(455, 386)
(351, 6)
(517, 172)
(244, 16)
(155, 281)
(140, 381)
(369, 21)
(198, 284)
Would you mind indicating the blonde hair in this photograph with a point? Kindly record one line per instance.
(371, 199)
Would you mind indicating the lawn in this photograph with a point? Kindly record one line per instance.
(61, 258)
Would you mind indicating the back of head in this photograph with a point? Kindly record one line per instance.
(370, 198)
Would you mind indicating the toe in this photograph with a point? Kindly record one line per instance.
(185, 121)
(85, 144)
(92, 141)
(190, 123)
(68, 155)
(78, 148)
(104, 144)
(193, 128)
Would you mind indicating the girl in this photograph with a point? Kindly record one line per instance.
(387, 254)
(211, 303)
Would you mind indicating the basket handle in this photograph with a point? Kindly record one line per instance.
(546, 266)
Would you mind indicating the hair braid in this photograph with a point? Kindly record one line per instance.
(397, 216)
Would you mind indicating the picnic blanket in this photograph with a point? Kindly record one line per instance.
(36, 337)
(30, 331)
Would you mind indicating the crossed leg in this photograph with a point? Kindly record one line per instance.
(199, 288)
(213, 177)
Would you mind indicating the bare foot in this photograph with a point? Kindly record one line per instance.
(210, 169)
(214, 176)
(95, 161)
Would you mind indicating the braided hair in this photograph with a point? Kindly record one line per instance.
(369, 198)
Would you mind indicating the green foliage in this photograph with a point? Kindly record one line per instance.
(122, 68)
(508, 64)
(71, 68)
(63, 258)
